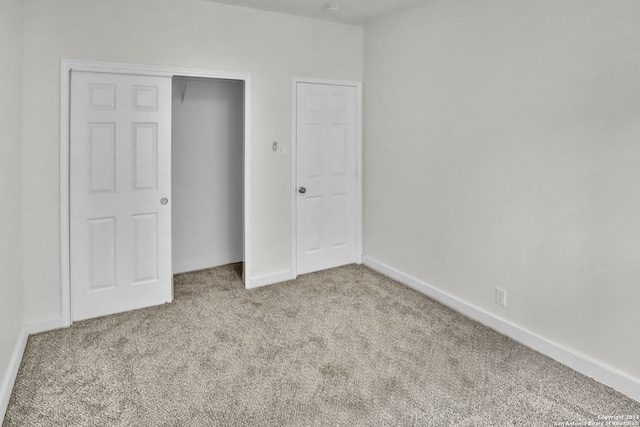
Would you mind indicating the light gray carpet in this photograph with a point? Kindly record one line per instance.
(343, 347)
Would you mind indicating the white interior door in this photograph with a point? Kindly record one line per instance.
(326, 208)
(120, 186)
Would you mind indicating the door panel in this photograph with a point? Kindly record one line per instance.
(102, 248)
(326, 120)
(145, 146)
(120, 160)
(103, 157)
(146, 248)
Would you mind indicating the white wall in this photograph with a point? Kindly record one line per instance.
(186, 33)
(11, 291)
(207, 137)
(502, 148)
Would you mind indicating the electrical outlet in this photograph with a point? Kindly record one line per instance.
(501, 297)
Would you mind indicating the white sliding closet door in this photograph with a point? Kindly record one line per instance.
(120, 189)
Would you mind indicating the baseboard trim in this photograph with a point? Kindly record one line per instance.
(579, 362)
(12, 372)
(45, 325)
(206, 262)
(270, 279)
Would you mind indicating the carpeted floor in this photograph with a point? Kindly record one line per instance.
(343, 347)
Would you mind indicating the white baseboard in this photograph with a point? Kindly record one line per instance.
(206, 262)
(585, 365)
(45, 325)
(12, 372)
(270, 279)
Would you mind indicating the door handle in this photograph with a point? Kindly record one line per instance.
(164, 201)
(302, 190)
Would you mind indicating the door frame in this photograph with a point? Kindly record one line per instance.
(68, 65)
(294, 163)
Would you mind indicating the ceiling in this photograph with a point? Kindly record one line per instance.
(354, 12)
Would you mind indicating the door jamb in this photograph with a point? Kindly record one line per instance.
(68, 65)
(294, 164)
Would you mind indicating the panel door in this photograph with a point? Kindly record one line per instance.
(120, 185)
(326, 207)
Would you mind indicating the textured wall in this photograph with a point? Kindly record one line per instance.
(11, 291)
(502, 149)
(186, 33)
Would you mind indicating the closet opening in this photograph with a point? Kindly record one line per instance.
(207, 167)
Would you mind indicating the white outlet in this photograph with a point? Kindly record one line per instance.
(501, 297)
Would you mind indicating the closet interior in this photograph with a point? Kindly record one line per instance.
(207, 159)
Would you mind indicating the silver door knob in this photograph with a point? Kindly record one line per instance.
(164, 201)
(302, 190)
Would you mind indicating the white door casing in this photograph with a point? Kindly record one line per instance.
(120, 193)
(326, 176)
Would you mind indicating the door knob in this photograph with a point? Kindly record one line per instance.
(302, 190)
(164, 201)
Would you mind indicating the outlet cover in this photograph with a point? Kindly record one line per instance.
(501, 297)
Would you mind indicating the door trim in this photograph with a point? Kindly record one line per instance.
(68, 65)
(294, 163)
